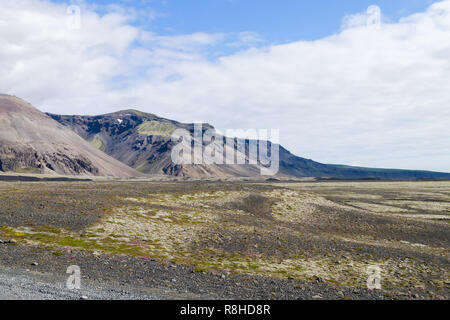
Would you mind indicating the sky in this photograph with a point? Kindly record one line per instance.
(341, 87)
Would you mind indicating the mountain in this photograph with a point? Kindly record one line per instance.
(143, 141)
(31, 141)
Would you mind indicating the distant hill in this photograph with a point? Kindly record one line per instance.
(32, 142)
(142, 141)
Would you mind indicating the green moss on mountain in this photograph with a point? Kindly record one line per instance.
(156, 128)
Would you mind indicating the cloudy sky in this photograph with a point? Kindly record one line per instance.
(340, 88)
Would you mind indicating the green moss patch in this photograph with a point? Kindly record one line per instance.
(156, 128)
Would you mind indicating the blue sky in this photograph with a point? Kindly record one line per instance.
(276, 21)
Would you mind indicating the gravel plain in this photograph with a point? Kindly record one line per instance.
(192, 240)
(28, 272)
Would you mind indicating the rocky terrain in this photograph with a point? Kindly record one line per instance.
(32, 142)
(143, 141)
(233, 240)
(42, 275)
(204, 231)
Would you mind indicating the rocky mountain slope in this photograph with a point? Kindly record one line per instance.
(143, 141)
(31, 141)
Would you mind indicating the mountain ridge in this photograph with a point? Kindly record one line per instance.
(121, 134)
(117, 143)
(31, 141)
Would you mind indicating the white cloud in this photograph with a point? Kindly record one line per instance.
(372, 97)
(354, 20)
(246, 39)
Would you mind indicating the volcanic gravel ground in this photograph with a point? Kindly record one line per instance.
(122, 277)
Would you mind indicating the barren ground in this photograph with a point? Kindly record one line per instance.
(236, 240)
